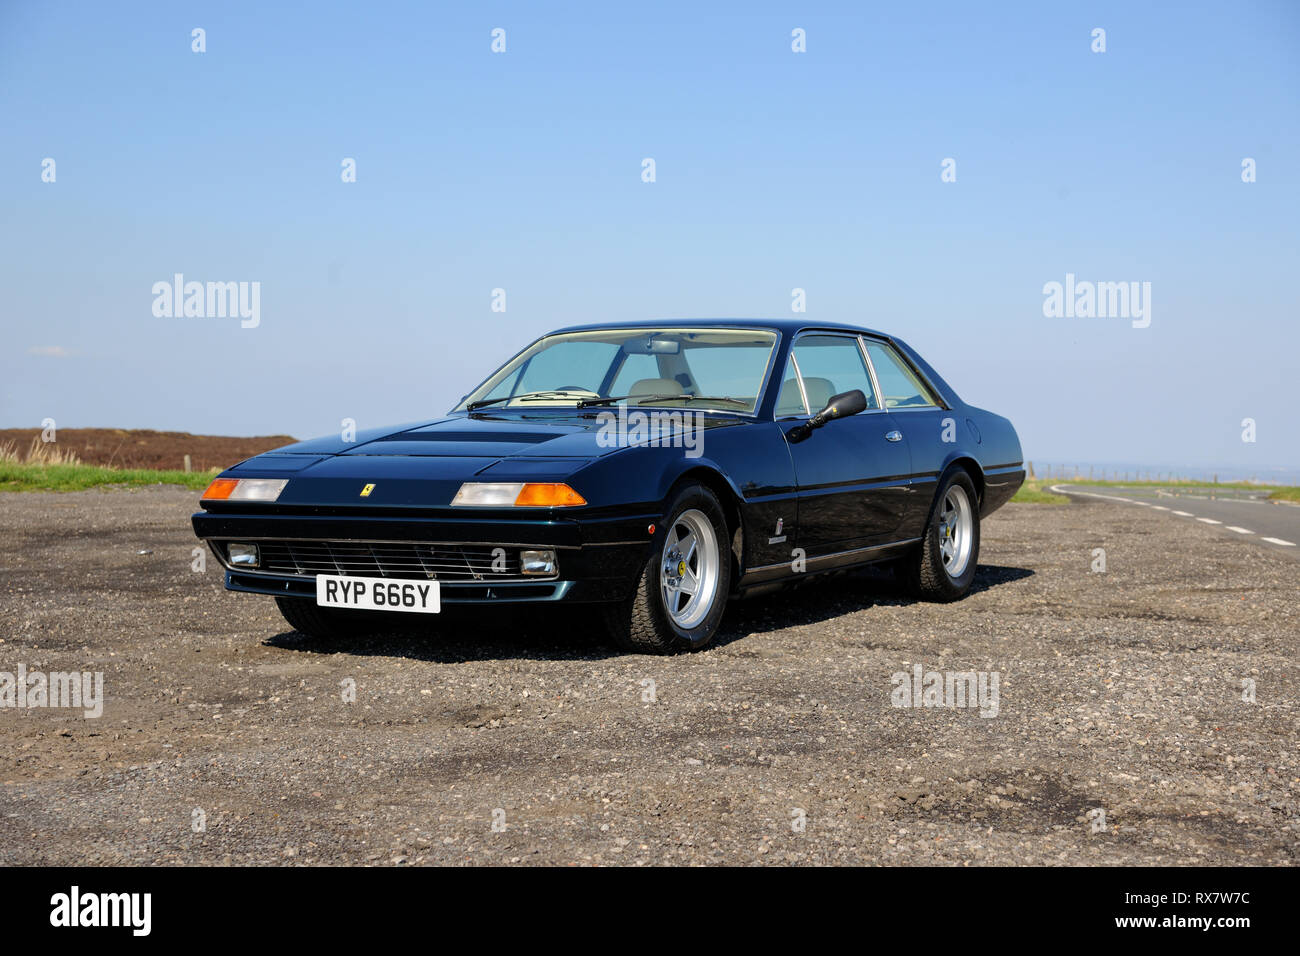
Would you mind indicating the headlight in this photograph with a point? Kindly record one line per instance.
(520, 494)
(537, 562)
(483, 494)
(245, 489)
(243, 555)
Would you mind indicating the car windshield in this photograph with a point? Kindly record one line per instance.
(697, 368)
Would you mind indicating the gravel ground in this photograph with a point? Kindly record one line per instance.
(1120, 691)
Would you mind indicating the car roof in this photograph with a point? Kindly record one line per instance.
(788, 326)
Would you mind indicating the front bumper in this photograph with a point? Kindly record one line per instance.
(597, 560)
(451, 592)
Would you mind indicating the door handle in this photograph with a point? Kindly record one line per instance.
(894, 435)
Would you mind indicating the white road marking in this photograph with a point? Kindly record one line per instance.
(1181, 514)
(1244, 501)
(1089, 494)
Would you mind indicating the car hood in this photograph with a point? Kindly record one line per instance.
(425, 462)
(481, 436)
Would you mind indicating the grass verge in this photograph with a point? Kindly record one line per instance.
(41, 477)
(1031, 492)
(1179, 485)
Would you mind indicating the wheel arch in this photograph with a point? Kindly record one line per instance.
(713, 479)
(969, 465)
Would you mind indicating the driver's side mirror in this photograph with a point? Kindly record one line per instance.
(840, 406)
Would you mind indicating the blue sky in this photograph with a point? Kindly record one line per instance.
(774, 170)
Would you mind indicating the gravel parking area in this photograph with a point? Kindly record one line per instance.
(226, 737)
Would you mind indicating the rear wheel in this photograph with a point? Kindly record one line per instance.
(682, 591)
(943, 568)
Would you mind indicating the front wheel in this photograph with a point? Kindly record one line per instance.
(943, 568)
(682, 591)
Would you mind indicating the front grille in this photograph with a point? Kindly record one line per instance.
(420, 561)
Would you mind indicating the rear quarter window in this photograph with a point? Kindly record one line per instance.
(899, 384)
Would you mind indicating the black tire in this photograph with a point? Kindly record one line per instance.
(307, 617)
(643, 622)
(924, 572)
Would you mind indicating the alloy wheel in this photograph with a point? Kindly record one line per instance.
(690, 569)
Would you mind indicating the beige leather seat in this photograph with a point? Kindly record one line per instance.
(790, 399)
(820, 391)
(656, 386)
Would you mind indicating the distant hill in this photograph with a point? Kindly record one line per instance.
(144, 448)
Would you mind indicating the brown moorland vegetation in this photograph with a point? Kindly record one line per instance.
(139, 448)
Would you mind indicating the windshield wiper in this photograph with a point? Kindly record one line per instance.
(483, 403)
(613, 399)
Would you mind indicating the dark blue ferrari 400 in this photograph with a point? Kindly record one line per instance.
(654, 469)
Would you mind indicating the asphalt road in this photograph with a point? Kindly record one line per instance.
(1146, 714)
(1246, 514)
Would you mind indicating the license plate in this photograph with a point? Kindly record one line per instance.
(377, 594)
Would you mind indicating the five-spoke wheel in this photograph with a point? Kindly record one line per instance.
(690, 569)
(955, 536)
(682, 591)
(943, 567)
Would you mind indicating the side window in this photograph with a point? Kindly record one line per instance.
(899, 383)
(828, 365)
